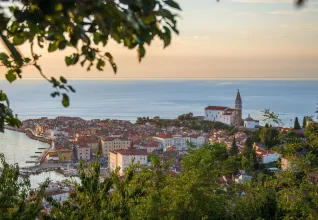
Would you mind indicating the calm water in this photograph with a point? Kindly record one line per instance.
(130, 99)
(18, 148)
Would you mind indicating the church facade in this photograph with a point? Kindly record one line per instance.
(226, 115)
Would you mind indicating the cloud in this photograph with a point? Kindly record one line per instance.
(311, 27)
(263, 1)
(293, 12)
(245, 13)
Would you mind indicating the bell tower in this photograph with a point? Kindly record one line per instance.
(238, 109)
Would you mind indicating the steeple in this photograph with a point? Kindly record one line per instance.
(238, 96)
(238, 109)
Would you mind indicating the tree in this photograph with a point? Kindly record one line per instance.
(234, 149)
(269, 137)
(311, 133)
(85, 26)
(271, 117)
(18, 201)
(296, 124)
(304, 121)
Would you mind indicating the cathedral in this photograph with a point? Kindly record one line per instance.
(226, 115)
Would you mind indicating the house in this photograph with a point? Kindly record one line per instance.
(226, 115)
(114, 143)
(124, 157)
(242, 177)
(52, 156)
(197, 140)
(83, 152)
(64, 153)
(220, 114)
(249, 122)
(168, 139)
(267, 156)
(150, 146)
(91, 141)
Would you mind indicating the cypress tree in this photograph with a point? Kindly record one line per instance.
(304, 121)
(234, 148)
(296, 124)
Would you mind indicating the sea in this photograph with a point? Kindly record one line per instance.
(128, 99)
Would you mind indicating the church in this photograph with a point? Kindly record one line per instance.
(226, 115)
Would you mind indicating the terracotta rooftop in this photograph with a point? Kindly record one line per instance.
(131, 151)
(216, 108)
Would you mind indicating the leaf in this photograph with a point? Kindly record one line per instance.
(40, 41)
(3, 97)
(114, 66)
(96, 37)
(141, 52)
(27, 60)
(53, 46)
(71, 88)
(66, 100)
(100, 64)
(63, 80)
(68, 60)
(18, 40)
(11, 76)
(62, 44)
(53, 94)
(14, 52)
(4, 56)
(173, 4)
(75, 58)
(149, 19)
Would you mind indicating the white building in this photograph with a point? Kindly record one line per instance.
(177, 140)
(197, 140)
(83, 152)
(243, 177)
(249, 122)
(114, 143)
(124, 157)
(267, 156)
(222, 114)
(150, 146)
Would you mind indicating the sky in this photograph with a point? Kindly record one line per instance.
(226, 39)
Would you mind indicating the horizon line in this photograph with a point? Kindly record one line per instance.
(178, 78)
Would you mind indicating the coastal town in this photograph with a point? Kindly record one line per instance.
(117, 144)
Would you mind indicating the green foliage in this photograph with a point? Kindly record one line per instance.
(255, 137)
(186, 116)
(199, 192)
(234, 148)
(269, 137)
(311, 133)
(18, 200)
(271, 117)
(85, 26)
(304, 121)
(296, 124)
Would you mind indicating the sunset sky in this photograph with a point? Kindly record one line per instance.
(232, 38)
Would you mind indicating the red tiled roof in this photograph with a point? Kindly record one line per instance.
(216, 108)
(171, 148)
(228, 113)
(152, 144)
(83, 145)
(62, 147)
(131, 151)
(87, 139)
(114, 138)
(163, 135)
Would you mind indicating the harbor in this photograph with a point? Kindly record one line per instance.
(19, 149)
